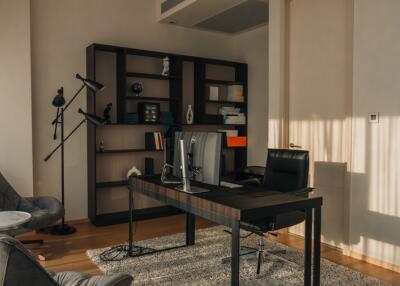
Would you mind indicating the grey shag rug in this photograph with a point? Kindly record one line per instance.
(201, 264)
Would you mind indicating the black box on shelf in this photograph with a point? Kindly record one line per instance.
(149, 112)
(148, 166)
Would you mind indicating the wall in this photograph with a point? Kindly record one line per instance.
(344, 64)
(277, 74)
(375, 200)
(252, 48)
(61, 30)
(15, 95)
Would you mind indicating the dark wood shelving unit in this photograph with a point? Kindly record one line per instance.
(116, 151)
(133, 124)
(222, 82)
(102, 185)
(151, 98)
(148, 75)
(224, 102)
(131, 65)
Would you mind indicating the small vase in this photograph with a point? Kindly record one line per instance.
(189, 115)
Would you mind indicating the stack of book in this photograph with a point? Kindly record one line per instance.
(154, 141)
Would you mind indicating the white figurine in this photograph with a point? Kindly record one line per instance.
(134, 171)
(165, 71)
(189, 115)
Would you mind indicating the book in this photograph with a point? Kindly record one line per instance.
(154, 141)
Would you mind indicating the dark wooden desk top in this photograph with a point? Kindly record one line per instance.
(240, 204)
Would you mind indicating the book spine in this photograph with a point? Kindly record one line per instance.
(149, 141)
(156, 140)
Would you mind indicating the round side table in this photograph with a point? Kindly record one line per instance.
(10, 220)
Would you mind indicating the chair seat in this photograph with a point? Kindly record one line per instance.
(264, 225)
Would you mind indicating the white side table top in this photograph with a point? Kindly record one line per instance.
(13, 219)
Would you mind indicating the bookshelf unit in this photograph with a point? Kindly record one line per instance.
(118, 68)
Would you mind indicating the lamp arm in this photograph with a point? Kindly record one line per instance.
(66, 138)
(69, 103)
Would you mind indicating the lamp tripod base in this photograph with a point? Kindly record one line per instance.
(62, 229)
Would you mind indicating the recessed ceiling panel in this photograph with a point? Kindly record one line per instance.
(238, 18)
(168, 4)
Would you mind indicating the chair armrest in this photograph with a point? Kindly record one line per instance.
(52, 205)
(75, 279)
(251, 182)
(302, 192)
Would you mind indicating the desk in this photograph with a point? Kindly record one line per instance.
(230, 206)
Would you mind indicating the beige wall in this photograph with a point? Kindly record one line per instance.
(375, 199)
(277, 74)
(320, 91)
(252, 48)
(15, 95)
(61, 30)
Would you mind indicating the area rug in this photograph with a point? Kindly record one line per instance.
(201, 264)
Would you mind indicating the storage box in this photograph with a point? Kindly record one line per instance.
(214, 93)
(236, 141)
(235, 93)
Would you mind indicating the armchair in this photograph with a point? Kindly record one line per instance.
(16, 260)
(44, 210)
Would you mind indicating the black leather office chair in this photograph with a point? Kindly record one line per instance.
(286, 171)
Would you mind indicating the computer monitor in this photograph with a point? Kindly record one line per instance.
(204, 149)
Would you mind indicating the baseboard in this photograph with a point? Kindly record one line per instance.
(374, 261)
(77, 221)
(347, 252)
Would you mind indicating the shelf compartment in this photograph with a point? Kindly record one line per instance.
(111, 184)
(133, 124)
(116, 151)
(149, 75)
(224, 102)
(222, 82)
(151, 98)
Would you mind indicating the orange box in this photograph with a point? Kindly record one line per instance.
(236, 141)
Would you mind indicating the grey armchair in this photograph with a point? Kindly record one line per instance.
(44, 210)
(19, 268)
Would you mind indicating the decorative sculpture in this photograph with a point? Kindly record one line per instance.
(165, 71)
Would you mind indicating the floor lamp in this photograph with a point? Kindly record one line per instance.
(62, 106)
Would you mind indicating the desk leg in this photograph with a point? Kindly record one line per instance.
(190, 229)
(317, 246)
(235, 252)
(307, 248)
(131, 210)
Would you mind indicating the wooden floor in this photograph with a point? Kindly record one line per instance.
(67, 253)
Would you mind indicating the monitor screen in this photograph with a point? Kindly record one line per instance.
(204, 149)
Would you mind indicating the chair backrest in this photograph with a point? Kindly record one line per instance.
(286, 170)
(19, 267)
(10, 200)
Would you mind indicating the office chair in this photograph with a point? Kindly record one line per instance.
(286, 171)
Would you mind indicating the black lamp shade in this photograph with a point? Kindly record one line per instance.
(96, 120)
(91, 84)
(59, 100)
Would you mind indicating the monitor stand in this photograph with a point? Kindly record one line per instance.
(192, 189)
